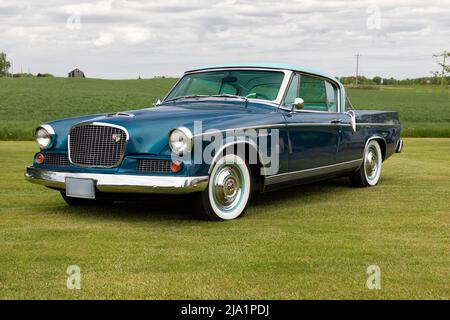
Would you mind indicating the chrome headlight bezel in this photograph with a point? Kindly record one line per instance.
(183, 145)
(44, 136)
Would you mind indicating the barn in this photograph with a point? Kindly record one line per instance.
(76, 73)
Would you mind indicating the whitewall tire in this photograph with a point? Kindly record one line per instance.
(229, 189)
(369, 173)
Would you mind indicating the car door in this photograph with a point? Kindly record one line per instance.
(314, 131)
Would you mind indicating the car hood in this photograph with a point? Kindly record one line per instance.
(149, 128)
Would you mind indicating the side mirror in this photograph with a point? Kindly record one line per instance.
(158, 102)
(352, 116)
(299, 103)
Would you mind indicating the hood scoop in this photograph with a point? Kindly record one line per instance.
(120, 114)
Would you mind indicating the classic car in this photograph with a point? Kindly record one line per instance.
(221, 134)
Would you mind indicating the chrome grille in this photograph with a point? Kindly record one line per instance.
(56, 160)
(94, 145)
(153, 165)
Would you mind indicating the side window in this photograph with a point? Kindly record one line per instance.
(313, 92)
(292, 92)
(331, 97)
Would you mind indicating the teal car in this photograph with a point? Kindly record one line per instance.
(221, 134)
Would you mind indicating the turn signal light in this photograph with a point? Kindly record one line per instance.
(175, 166)
(40, 158)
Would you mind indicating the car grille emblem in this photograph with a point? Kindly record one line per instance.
(116, 137)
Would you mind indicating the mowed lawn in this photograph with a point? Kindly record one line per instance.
(312, 241)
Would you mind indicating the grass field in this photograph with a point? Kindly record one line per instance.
(424, 111)
(27, 102)
(312, 241)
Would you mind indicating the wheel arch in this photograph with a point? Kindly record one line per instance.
(381, 141)
(257, 170)
(248, 144)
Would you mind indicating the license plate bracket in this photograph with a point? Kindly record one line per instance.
(80, 188)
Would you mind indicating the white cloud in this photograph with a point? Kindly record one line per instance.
(104, 39)
(124, 38)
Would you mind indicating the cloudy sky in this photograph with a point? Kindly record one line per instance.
(117, 39)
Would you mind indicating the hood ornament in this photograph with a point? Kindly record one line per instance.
(120, 114)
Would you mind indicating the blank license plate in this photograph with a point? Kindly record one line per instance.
(80, 188)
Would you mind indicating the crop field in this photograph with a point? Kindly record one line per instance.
(27, 102)
(424, 111)
(311, 241)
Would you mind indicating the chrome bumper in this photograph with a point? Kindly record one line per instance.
(399, 146)
(120, 182)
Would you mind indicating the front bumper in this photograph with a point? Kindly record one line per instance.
(119, 183)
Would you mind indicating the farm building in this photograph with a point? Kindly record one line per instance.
(76, 73)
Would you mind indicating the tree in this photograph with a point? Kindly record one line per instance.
(4, 65)
(377, 80)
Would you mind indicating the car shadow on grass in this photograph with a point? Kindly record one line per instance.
(314, 191)
(183, 208)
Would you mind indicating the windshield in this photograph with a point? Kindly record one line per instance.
(255, 84)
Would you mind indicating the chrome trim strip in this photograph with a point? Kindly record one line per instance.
(49, 128)
(50, 131)
(267, 126)
(333, 81)
(105, 124)
(307, 173)
(375, 124)
(120, 114)
(120, 183)
(375, 137)
(308, 124)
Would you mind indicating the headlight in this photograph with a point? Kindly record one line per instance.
(180, 140)
(44, 136)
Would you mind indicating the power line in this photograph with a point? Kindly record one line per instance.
(357, 66)
(445, 68)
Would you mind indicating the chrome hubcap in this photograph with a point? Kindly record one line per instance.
(371, 163)
(227, 187)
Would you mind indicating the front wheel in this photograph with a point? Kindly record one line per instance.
(370, 171)
(229, 190)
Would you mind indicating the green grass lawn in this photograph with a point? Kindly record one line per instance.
(312, 241)
(28, 102)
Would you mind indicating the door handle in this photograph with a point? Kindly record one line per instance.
(336, 121)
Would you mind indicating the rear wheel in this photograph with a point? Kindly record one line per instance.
(229, 189)
(370, 171)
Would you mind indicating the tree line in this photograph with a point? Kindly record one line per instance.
(5, 65)
(362, 80)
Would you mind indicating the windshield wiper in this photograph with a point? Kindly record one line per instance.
(226, 95)
(192, 96)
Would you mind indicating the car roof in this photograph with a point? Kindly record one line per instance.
(283, 66)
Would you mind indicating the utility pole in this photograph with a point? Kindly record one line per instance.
(357, 66)
(445, 68)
